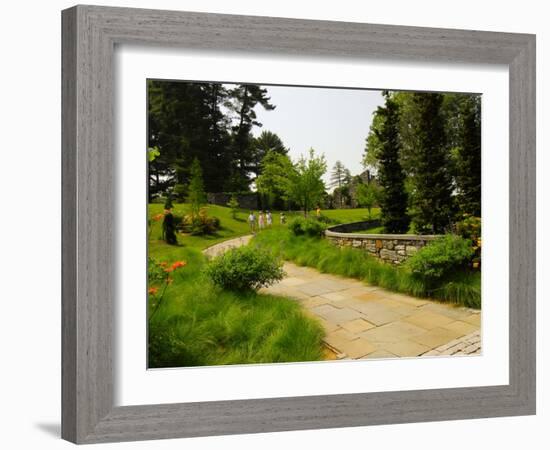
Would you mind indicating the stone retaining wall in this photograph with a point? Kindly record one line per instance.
(391, 248)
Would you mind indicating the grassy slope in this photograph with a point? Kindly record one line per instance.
(199, 324)
(351, 215)
(464, 288)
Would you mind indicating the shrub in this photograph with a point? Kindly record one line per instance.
(310, 227)
(245, 268)
(470, 228)
(233, 203)
(441, 258)
(327, 220)
(200, 223)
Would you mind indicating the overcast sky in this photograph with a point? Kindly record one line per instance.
(334, 122)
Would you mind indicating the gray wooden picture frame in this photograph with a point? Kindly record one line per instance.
(89, 37)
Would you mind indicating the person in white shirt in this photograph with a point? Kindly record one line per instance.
(252, 221)
(269, 219)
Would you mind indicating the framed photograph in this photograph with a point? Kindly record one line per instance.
(278, 224)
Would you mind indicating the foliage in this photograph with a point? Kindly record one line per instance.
(464, 117)
(199, 324)
(244, 100)
(159, 277)
(267, 142)
(245, 268)
(306, 226)
(441, 258)
(152, 153)
(429, 174)
(461, 287)
(305, 184)
(233, 204)
(207, 121)
(201, 223)
(185, 121)
(393, 198)
(273, 182)
(327, 220)
(438, 136)
(168, 203)
(470, 228)
(367, 195)
(196, 196)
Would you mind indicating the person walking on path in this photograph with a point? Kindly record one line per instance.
(252, 222)
(269, 219)
(261, 221)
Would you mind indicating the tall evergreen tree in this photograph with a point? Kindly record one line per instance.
(464, 120)
(340, 178)
(266, 142)
(393, 197)
(245, 97)
(196, 197)
(428, 163)
(185, 121)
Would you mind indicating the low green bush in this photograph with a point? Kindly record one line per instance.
(245, 268)
(309, 227)
(439, 259)
(327, 220)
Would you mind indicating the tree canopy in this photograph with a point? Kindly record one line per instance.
(438, 141)
(211, 122)
(305, 183)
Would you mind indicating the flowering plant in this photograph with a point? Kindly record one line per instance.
(470, 228)
(159, 277)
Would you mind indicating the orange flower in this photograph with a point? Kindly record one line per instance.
(169, 269)
(158, 217)
(163, 264)
(178, 264)
(153, 290)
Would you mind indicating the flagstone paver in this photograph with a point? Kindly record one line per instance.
(366, 322)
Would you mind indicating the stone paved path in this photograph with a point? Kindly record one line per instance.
(363, 321)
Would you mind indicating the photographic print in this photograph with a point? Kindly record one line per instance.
(298, 224)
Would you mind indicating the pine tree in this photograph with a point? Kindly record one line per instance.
(340, 178)
(431, 180)
(393, 198)
(468, 156)
(196, 196)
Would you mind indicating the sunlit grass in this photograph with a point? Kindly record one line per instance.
(463, 288)
(199, 324)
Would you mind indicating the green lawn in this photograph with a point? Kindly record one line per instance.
(231, 228)
(198, 324)
(350, 215)
(464, 288)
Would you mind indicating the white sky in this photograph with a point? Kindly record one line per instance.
(334, 122)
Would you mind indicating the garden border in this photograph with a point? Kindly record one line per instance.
(90, 34)
(392, 248)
